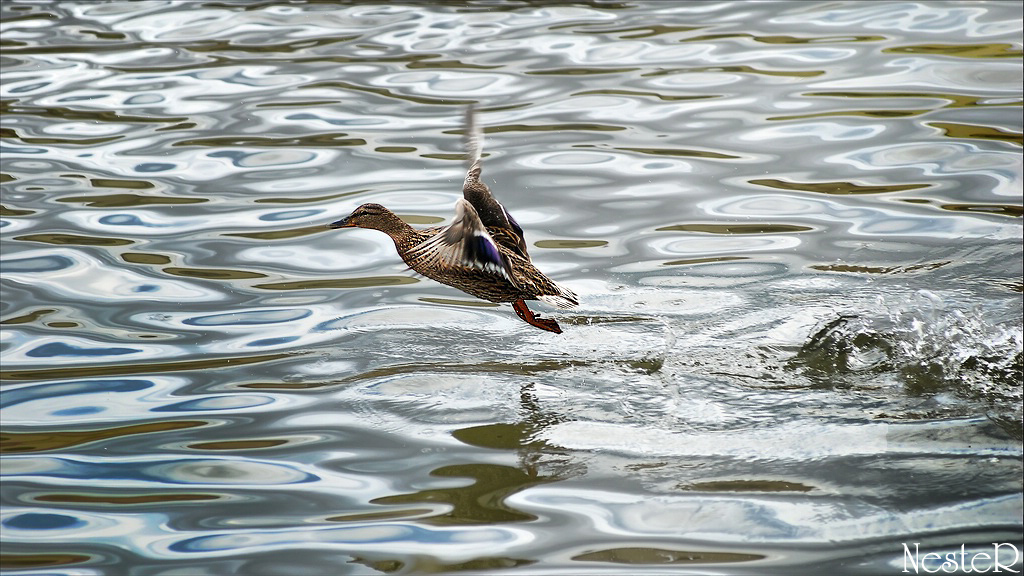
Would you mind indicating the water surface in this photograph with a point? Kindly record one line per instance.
(795, 230)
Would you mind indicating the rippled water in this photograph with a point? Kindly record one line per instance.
(795, 229)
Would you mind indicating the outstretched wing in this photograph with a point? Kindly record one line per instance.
(464, 243)
(473, 140)
(491, 212)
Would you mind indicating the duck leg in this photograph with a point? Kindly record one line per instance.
(527, 315)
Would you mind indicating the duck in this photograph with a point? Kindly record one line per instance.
(482, 252)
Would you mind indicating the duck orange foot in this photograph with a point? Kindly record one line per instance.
(528, 316)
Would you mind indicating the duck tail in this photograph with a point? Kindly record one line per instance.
(565, 298)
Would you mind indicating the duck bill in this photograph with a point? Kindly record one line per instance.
(343, 223)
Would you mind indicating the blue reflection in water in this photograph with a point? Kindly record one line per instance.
(28, 87)
(81, 98)
(178, 471)
(236, 156)
(79, 411)
(154, 167)
(64, 349)
(378, 533)
(128, 220)
(38, 264)
(30, 393)
(37, 521)
(272, 341)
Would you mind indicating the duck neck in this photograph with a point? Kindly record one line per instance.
(395, 227)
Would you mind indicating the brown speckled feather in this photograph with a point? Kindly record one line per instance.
(527, 282)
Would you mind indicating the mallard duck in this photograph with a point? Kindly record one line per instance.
(482, 252)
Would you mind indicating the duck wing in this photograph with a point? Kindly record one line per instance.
(465, 243)
(491, 212)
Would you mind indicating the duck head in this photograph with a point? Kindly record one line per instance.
(365, 216)
(372, 216)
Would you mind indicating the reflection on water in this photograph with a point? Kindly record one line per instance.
(794, 227)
